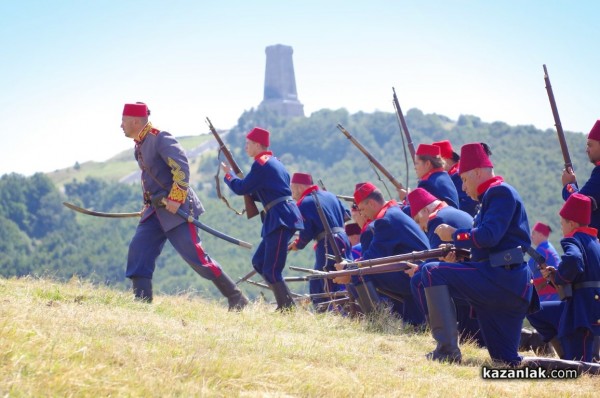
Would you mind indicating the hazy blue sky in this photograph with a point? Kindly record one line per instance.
(67, 67)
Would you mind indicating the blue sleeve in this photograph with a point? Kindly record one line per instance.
(571, 263)
(253, 180)
(501, 206)
(383, 241)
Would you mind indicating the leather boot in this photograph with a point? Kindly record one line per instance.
(556, 344)
(442, 320)
(228, 288)
(368, 299)
(282, 296)
(142, 289)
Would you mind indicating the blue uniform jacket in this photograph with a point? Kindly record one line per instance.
(501, 224)
(592, 189)
(269, 180)
(165, 173)
(446, 215)
(394, 233)
(334, 211)
(440, 185)
(580, 263)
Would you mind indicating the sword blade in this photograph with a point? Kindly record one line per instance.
(99, 213)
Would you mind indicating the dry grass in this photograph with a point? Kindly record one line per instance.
(80, 340)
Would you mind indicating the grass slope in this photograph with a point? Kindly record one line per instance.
(76, 339)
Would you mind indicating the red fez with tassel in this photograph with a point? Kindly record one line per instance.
(363, 191)
(259, 135)
(473, 156)
(302, 178)
(577, 208)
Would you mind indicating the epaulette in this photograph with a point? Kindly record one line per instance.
(264, 159)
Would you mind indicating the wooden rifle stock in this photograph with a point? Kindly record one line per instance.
(371, 158)
(249, 204)
(392, 263)
(403, 126)
(557, 123)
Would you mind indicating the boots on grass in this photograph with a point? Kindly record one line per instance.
(368, 299)
(282, 296)
(442, 320)
(229, 289)
(142, 289)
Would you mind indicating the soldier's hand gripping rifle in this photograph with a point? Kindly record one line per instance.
(250, 207)
(390, 264)
(557, 123)
(371, 158)
(564, 291)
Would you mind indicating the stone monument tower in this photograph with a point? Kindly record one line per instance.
(280, 83)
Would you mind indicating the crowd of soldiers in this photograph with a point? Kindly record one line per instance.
(483, 291)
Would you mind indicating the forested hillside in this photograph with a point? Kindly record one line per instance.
(41, 236)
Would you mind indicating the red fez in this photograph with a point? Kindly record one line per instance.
(418, 199)
(473, 156)
(135, 110)
(446, 150)
(577, 208)
(352, 229)
(595, 132)
(360, 184)
(542, 228)
(363, 191)
(302, 178)
(428, 150)
(259, 135)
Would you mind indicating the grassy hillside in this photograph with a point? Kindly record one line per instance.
(117, 167)
(76, 339)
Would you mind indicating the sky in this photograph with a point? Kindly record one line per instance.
(68, 66)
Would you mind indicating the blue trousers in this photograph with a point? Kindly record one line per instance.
(499, 313)
(397, 283)
(149, 240)
(468, 326)
(269, 258)
(317, 286)
(577, 345)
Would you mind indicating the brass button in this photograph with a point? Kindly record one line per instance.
(596, 297)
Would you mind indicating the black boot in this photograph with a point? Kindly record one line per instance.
(368, 299)
(142, 289)
(596, 349)
(558, 348)
(234, 295)
(282, 296)
(442, 320)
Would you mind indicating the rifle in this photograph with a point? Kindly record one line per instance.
(249, 206)
(390, 264)
(558, 124)
(403, 126)
(341, 197)
(371, 158)
(328, 232)
(564, 291)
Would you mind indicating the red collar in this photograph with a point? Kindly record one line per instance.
(437, 208)
(492, 182)
(586, 230)
(262, 154)
(385, 208)
(454, 169)
(430, 172)
(308, 190)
